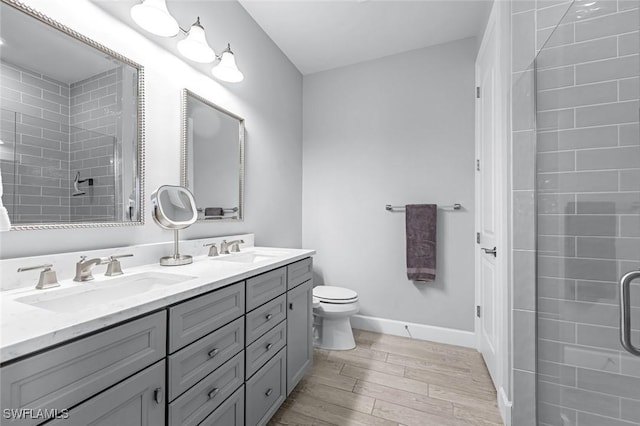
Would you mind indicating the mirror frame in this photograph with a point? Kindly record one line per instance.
(140, 123)
(186, 93)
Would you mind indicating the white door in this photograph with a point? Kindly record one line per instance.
(487, 118)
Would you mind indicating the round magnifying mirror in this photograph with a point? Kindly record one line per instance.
(174, 208)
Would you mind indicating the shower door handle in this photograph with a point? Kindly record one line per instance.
(625, 311)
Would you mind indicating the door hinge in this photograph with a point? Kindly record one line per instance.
(478, 311)
(478, 237)
(478, 165)
(478, 92)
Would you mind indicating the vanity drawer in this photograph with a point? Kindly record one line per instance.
(62, 377)
(190, 364)
(299, 272)
(265, 347)
(265, 287)
(266, 390)
(197, 403)
(265, 317)
(198, 317)
(229, 413)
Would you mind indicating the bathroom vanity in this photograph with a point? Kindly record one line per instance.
(223, 345)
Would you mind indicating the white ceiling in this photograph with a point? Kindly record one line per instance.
(317, 35)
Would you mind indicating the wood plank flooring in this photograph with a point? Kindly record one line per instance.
(393, 381)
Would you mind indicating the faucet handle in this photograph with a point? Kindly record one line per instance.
(114, 267)
(224, 247)
(213, 249)
(235, 245)
(48, 277)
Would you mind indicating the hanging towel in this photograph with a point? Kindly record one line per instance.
(5, 223)
(421, 241)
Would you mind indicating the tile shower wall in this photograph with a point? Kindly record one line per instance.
(95, 140)
(588, 169)
(35, 133)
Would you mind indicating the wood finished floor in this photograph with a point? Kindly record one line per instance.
(394, 381)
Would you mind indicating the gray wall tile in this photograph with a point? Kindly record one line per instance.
(523, 341)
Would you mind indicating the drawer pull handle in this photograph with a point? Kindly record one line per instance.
(158, 395)
(268, 392)
(213, 393)
(269, 346)
(213, 352)
(269, 316)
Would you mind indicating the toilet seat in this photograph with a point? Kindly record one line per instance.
(334, 295)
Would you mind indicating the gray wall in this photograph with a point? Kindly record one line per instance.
(398, 130)
(270, 99)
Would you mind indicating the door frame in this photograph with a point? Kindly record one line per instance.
(499, 25)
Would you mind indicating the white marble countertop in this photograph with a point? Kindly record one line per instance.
(25, 328)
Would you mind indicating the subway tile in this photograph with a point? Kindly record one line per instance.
(553, 415)
(8, 72)
(587, 94)
(627, 4)
(556, 161)
(555, 36)
(599, 115)
(629, 134)
(556, 204)
(39, 161)
(593, 137)
(609, 248)
(39, 200)
(556, 288)
(55, 172)
(630, 410)
(600, 181)
(556, 373)
(628, 44)
(601, 337)
(612, 384)
(586, 419)
(10, 94)
(578, 399)
(551, 16)
(554, 78)
(524, 398)
(597, 291)
(21, 87)
(630, 365)
(518, 6)
(630, 226)
(523, 220)
(629, 89)
(579, 356)
(40, 103)
(26, 170)
(608, 158)
(40, 122)
(22, 108)
(578, 52)
(582, 269)
(561, 331)
(55, 97)
(524, 337)
(53, 116)
(556, 246)
(578, 225)
(523, 106)
(554, 120)
(609, 69)
(523, 160)
(608, 203)
(630, 180)
(614, 24)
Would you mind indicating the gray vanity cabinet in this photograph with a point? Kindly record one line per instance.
(266, 390)
(299, 335)
(137, 401)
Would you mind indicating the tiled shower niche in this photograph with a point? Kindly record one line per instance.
(52, 132)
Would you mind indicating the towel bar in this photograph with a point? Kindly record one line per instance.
(391, 208)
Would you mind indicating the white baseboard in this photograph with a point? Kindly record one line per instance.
(504, 405)
(417, 331)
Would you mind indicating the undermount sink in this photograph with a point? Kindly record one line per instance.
(250, 257)
(93, 293)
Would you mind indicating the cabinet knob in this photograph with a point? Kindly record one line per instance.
(213, 352)
(269, 346)
(213, 393)
(269, 316)
(158, 395)
(268, 392)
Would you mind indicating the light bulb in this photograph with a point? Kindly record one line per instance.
(226, 69)
(195, 46)
(153, 16)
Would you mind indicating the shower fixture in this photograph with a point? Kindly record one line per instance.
(76, 185)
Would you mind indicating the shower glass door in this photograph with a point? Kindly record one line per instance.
(588, 215)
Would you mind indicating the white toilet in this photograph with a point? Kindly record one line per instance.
(332, 308)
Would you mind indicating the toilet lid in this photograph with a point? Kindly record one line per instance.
(331, 294)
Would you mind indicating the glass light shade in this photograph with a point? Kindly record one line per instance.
(195, 46)
(153, 16)
(227, 70)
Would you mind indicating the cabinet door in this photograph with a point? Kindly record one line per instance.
(138, 401)
(299, 333)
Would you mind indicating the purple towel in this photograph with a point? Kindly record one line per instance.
(421, 241)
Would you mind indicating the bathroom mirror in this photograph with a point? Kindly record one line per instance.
(173, 207)
(213, 158)
(72, 131)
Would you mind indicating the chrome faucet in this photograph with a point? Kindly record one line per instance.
(48, 278)
(213, 249)
(83, 268)
(235, 246)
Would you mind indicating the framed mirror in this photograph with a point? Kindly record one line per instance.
(213, 158)
(72, 127)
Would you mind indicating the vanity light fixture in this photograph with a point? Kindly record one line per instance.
(153, 16)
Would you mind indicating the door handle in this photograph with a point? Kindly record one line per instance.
(492, 251)
(625, 311)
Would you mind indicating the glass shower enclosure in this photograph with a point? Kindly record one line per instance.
(588, 217)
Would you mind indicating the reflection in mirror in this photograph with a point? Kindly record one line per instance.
(173, 207)
(213, 158)
(71, 150)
